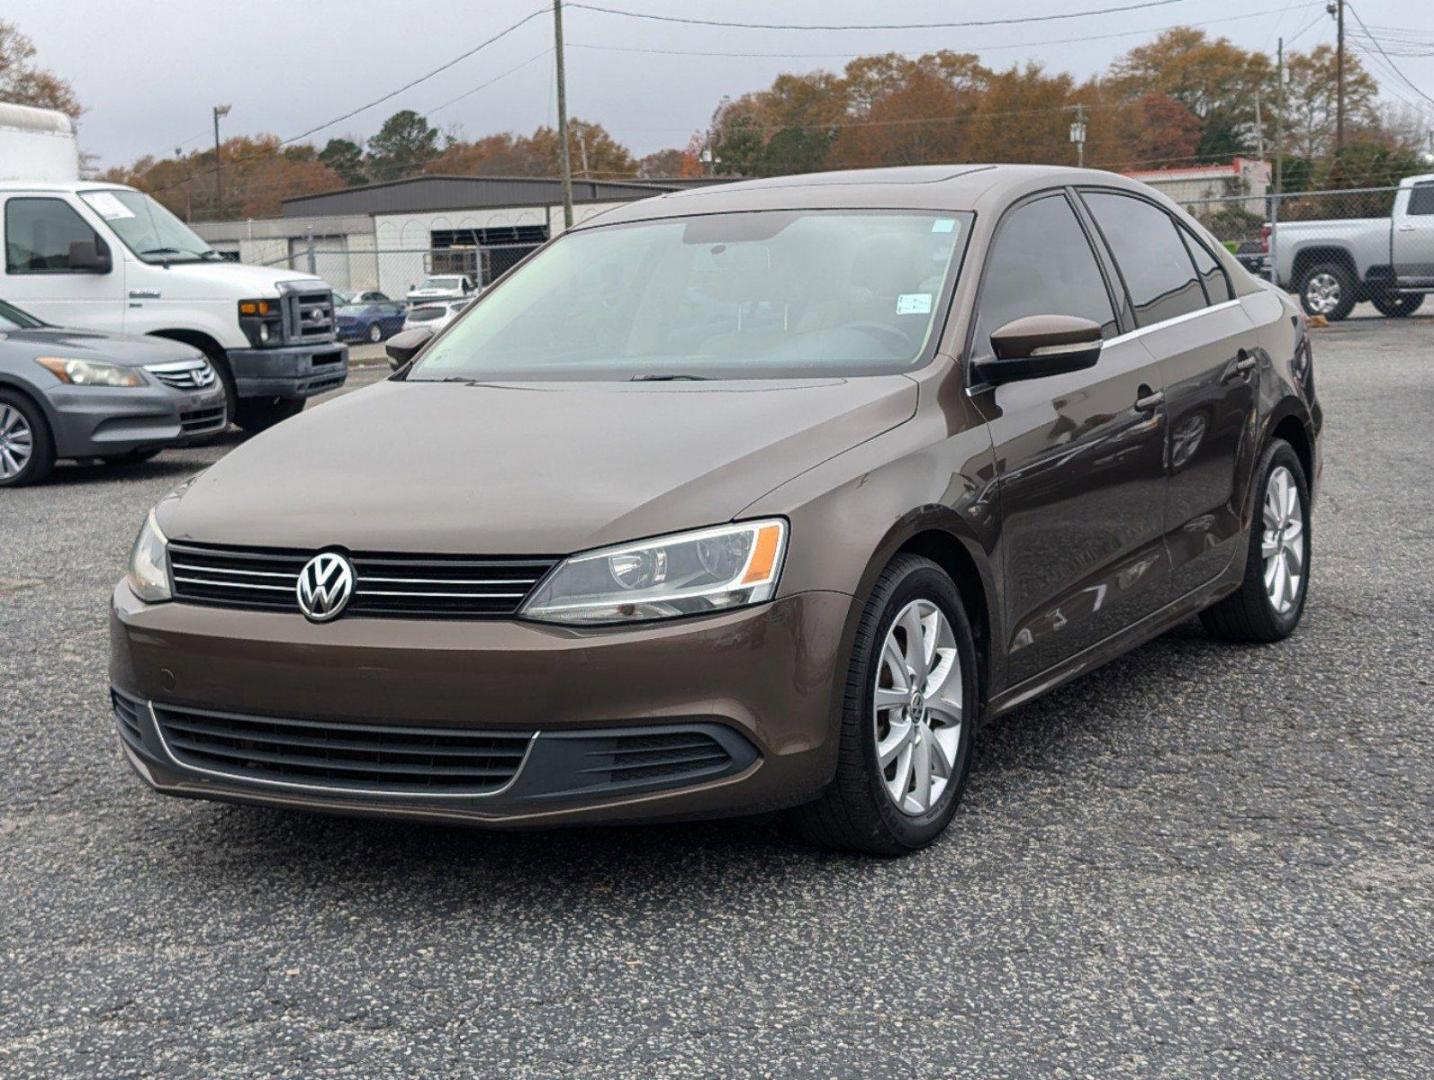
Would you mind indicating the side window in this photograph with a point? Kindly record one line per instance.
(1041, 264)
(1153, 261)
(38, 234)
(1217, 285)
(1421, 199)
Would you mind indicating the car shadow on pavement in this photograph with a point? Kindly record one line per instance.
(180, 462)
(1015, 760)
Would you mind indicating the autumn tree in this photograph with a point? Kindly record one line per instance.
(672, 162)
(1310, 81)
(22, 83)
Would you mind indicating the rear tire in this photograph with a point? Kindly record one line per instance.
(27, 448)
(1327, 289)
(860, 811)
(375, 333)
(1252, 613)
(1397, 305)
(259, 414)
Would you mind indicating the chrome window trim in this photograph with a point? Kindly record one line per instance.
(240, 779)
(1174, 320)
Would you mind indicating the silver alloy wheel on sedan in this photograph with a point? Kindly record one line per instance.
(1322, 293)
(1283, 544)
(918, 708)
(17, 442)
(375, 333)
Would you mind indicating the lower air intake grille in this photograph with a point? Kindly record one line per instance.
(127, 715)
(371, 758)
(666, 757)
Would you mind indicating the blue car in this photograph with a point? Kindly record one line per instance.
(369, 316)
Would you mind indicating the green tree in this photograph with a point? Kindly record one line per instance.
(405, 143)
(345, 157)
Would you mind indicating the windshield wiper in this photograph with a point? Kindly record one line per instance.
(680, 377)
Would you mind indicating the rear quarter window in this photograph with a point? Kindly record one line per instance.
(1150, 254)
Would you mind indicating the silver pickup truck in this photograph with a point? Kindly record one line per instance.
(1332, 265)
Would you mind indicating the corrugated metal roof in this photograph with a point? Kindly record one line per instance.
(420, 194)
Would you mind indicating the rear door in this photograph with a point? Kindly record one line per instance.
(1207, 350)
(1414, 231)
(1079, 456)
(37, 277)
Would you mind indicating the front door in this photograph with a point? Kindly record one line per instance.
(1208, 352)
(1079, 457)
(38, 230)
(1414, 231)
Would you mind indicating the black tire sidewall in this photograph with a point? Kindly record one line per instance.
(1346, 290)
(924, 580)
(42, 456)
(1397, 305)
(1280, 453)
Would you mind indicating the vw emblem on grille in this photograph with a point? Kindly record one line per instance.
(325, 585)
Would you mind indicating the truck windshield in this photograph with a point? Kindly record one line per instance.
(12, 318)
(147, 228)
(766, 294)
(441, 283)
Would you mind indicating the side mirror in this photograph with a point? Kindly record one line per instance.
(403, 347)
(90, 257)
(1041, 345)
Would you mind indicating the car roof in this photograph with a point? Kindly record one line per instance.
(912, 187)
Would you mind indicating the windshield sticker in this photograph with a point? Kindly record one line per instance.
(914, 303)
(107, 206)
(943, 224)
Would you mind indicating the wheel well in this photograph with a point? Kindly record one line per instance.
(1310, 256)
(17, 390)
(947, 552)
(1293, 432)
(201, 341)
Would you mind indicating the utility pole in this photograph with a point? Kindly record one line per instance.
(219, 111)
(563, 115)
(1078, 134)
(1279, 159)
(1336, 8)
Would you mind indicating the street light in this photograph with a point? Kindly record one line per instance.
(219, 110)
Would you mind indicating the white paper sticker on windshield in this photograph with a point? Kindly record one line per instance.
(943, 224)
(914, 303)
(107, 206)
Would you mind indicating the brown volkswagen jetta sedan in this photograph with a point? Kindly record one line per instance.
(750, 497)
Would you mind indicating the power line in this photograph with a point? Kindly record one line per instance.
(1384, 54)
(490, 82)
(690, 21)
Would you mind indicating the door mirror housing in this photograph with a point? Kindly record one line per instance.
(403, 347)
(1040, 345)
(90, 257)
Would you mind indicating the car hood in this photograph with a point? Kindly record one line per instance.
(223, 280)
(526, 468)
(129, 350)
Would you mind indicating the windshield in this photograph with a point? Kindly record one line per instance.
(147, 228)
(441, 283)
(12, 318)
(734, 296)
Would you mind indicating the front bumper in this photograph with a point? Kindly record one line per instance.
(97, 421)
(763, 682)
(289, 371)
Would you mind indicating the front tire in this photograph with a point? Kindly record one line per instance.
(1397, 305)
(910, 703)
(27, 449)
(1327, 289)
(375, 333)
(259, 414)
(1271, 598)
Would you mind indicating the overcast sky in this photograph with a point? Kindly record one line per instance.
(149, 72)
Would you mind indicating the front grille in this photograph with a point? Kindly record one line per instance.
(199, 421)
(183, 374)
(309, 315)
(374, 758)
(127, 715)
(404, 586)
(667, 757)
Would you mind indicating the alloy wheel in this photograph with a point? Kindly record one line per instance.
(375, 333)
(918, 708)
(1283, 543)
(17, 442)
(1322, 293)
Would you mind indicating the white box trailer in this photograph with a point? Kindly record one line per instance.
(103, 256)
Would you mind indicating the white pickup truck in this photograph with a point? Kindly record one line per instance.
(103, 256)
(1332, 265)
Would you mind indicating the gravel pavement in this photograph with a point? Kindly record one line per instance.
(1202, 860)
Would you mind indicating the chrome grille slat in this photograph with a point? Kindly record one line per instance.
(183, 374)
(385, 585)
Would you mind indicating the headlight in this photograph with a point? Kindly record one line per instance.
(149, 563)
(685, 574)
(90, 372)
(260, 321)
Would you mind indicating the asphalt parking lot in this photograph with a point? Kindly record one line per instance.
(1202, 860)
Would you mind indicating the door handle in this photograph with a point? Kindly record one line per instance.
(1244, 364)
(1149, 399)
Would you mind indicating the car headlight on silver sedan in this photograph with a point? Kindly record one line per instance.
(691, 573)
(148, 575)
(78, 372)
